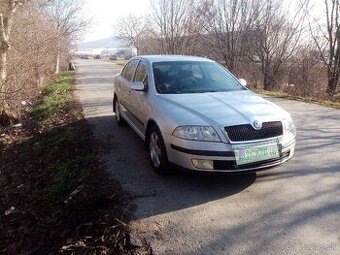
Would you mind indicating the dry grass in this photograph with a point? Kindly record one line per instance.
(325, 102)
(120, 62)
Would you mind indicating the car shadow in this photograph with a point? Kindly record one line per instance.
(126, 159)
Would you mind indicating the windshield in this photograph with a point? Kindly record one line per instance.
(193, 77)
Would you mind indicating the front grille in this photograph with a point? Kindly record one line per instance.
(246, 132)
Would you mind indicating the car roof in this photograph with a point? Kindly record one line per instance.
(163, 58)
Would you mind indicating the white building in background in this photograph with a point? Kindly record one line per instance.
(108, 46)
(106, 51)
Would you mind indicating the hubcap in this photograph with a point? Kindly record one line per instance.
(155, 149)
(117, 111)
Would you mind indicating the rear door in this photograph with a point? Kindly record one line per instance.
(124, 87)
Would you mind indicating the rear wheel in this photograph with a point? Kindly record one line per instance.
(118, 116)
(157, 151)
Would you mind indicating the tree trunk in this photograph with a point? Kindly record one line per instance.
(334, 71)
(331, 86)
(3, 79)
(57, 63)
(265, 82)
(268, 81)
(3, 68)
(231, 65)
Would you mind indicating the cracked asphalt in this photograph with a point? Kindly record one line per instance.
(290, 209)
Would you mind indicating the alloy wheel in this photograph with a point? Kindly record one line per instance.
(155, 150)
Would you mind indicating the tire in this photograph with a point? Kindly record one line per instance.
(118, 117)
(157, 152)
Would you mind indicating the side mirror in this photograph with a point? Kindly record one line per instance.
(243, 82)
(138, 86)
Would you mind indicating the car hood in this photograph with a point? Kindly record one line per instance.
(226, 108)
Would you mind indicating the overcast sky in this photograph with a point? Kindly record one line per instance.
(105, 13)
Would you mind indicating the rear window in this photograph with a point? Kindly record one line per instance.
(129, 69)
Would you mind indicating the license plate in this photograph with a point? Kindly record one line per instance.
(254, 153)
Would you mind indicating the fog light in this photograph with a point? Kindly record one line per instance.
(203, 164)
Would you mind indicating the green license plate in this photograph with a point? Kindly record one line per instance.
(254, 153)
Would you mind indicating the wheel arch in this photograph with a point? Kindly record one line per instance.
(163, 168)
(149, 124)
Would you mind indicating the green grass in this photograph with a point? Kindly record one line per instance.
(71, 137)
(66, 149)
(66, 176)
(70, 157)
(56, 97)
(279, 94)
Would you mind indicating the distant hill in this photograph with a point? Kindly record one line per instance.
(102, 43)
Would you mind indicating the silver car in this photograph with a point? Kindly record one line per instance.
(193, 113)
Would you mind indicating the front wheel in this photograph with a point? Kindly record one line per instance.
(157, 152)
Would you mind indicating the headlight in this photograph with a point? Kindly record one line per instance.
(197, 133)
(289, 125)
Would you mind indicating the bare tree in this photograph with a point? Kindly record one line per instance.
(226, 24)
(29, 64)
(195, 43)
(171, 22)
(26, 67)
(326, 35)
(8, 9)
(306, 75)
(274, 39)
(132, 29)
(65, 15)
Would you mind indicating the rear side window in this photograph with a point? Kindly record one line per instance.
(142, 73)
(129, 69)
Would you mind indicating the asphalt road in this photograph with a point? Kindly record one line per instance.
(290, 209)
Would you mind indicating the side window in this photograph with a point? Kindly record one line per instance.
(129, 69)
(142, 73)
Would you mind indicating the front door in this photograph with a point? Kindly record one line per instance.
(138, 99)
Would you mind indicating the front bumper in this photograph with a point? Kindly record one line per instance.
(182, 153)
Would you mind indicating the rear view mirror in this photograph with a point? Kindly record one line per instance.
(243, 82)
(138, 86)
